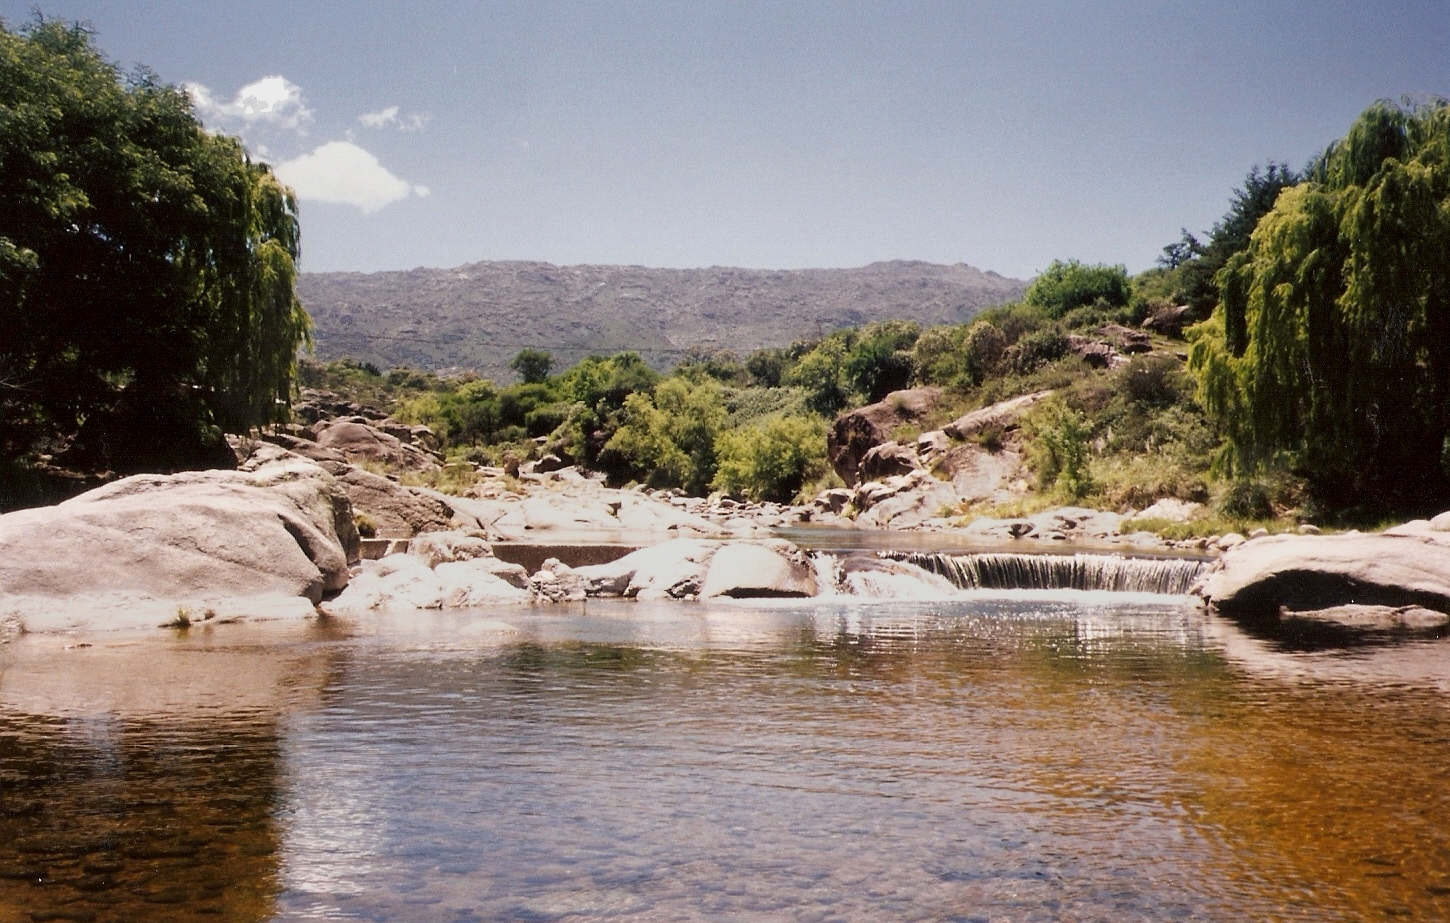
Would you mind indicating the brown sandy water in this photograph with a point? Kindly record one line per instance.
(1047, 757)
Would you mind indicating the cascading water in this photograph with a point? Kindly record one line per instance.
(1110, 572)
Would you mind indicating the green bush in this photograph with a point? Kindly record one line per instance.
(1059, 450)
(1068, 285)
(773, 460)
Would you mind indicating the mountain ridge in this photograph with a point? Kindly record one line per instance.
(479, 315)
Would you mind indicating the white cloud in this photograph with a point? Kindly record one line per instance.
(274, 101)
(343, 173)
(392, 116)
(380, 119)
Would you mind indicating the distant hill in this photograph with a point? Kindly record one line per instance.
(480, 316)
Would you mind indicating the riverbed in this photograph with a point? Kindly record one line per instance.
(1049, 756)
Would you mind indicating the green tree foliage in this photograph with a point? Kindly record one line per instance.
(1195, 265)
(1330, 348)
(772, 460)
(668, 439)
(1065, 286)
(821, 373)
(533, 366)
(146, 266)
(856, 365)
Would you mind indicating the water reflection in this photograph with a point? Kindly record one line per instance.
(1033, 758)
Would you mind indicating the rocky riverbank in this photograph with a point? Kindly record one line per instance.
(278, 538)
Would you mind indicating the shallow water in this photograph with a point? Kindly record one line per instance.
(1043, 757)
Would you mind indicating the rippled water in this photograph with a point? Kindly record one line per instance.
(1045, 757)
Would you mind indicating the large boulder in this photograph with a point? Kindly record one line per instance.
(889, 460)
(1001, 415)
(673, 570)
(1317, 572)
(858, 431)
(395, 511)
(759, 569)
(269, 539)
(359, 442)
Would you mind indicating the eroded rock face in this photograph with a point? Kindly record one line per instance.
(1258, 578)
(858, 431)
(133, 553)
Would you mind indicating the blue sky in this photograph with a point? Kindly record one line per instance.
(770, 135)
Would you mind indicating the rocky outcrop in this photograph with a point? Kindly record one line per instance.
(1003, 415)
(359, 442)
(858, 431)
(1170, 321)
(269, 539)
(395, 511)
(1260, 577)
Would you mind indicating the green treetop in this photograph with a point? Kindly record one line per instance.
(1329, 351)
(147, 267)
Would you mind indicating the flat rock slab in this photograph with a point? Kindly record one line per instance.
(1319, 572)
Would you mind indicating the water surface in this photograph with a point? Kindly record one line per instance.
(1044, 757)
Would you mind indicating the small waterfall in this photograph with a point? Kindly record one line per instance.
(1111, 572)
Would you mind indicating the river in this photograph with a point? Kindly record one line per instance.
(1048, 756)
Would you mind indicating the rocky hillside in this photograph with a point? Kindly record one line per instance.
(479, 316)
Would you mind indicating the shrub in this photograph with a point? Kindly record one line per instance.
(1037, 349)
(772, 460)
(1059, 450)
(1068, 285)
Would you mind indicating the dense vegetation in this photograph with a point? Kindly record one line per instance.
(147, 267)
(1329, 355)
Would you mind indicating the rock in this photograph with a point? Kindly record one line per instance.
(834, 500)
(675, 569)
(977, 473)
(755, 569)
(128, 554)
(476, 582)
(1003, 414)
(1170, 321)
(1097, 354)
(396, 511)
(882, 578)
(1377, 618)
(888, 460)
(442, 547)
(1257, 533)
(932, 446)
(1126, 339)
(557, 583)
(1171, 510)
(360, 442)
(906, 505)
(856, 432)
(1230, 540)
(1441, 523)
(1305, 572)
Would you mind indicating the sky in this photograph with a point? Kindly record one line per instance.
(779, 135)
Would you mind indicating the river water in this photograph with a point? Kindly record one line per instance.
(1012, 757)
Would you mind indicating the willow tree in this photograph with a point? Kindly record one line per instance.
(147, 267)
(1329, 351)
